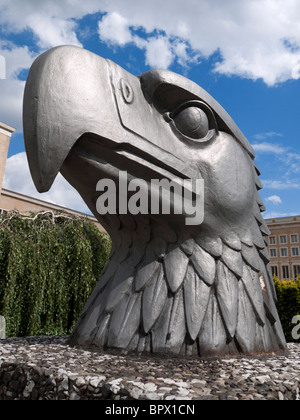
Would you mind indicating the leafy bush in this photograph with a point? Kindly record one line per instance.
(288, 305)
(49, 265)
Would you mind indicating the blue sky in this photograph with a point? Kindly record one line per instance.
(246, 54)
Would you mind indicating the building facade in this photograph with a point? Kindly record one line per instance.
(5, 134)
(284, 246)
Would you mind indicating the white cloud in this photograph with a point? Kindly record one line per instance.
(274, 199)
(17, 178)
(52, 21)
(263, 136)
(11, 88)
(281, 185)
(54, 31)
(159, 52)
(114, 28)
(270, 148)
(275, 214)
(253, 39)
(11, 102)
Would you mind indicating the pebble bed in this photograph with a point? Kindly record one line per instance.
(46, 368)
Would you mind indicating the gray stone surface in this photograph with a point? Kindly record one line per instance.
(2, 327)
(47, 368)
(169, 288)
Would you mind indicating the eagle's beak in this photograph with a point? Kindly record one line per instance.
(67, 90)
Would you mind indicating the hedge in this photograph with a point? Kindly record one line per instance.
(288, 305)
(49, 264)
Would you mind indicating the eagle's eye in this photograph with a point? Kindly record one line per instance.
(192, 122)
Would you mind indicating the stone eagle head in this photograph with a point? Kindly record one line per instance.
(168, 287)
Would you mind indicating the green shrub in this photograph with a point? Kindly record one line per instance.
(288, 305)
(49, 265)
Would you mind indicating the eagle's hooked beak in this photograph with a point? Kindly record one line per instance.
(61, 103)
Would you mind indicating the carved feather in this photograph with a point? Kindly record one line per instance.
(196, 297)
(175, 263)
(154, 299)
(125, 321)
(146, 273)
(227, 295)
(204, 264)
(177, 330)
(250, 255)
(120, 285)
(212, 337)
(246, 322)
(160, 330)
(211, 244)
(188, 247)
(250, 279)
(232, 240)
(233, 260)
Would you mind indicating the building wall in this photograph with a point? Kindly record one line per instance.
(5, 135)
(284, 246)
(10, 200)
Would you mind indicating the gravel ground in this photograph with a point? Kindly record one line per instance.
(47, 368)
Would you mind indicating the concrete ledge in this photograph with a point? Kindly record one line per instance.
(46, 368)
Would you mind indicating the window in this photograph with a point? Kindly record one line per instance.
(274, 270)
(294, 239)
(285, 272)
(273, 252)
(272, 240)
(3, 213)
(296, 270)
(283, 252)
(283, 239)
(295, 252)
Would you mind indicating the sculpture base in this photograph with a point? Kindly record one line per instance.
(46, 368)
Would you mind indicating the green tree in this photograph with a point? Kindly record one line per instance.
(49, 265)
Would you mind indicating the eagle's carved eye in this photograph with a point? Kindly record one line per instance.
(193, 120)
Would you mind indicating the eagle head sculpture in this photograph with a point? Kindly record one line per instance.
(168, 287)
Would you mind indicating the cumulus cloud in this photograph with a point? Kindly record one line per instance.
(17, 178)
(11, 88)
(114, 29)
(281, 185)
(51, 21)
(275, 214)
(54, 31)
(160, 50)
(159, 53)
(274, 199)
(270, 148)
(269, 134)
(252, 39)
